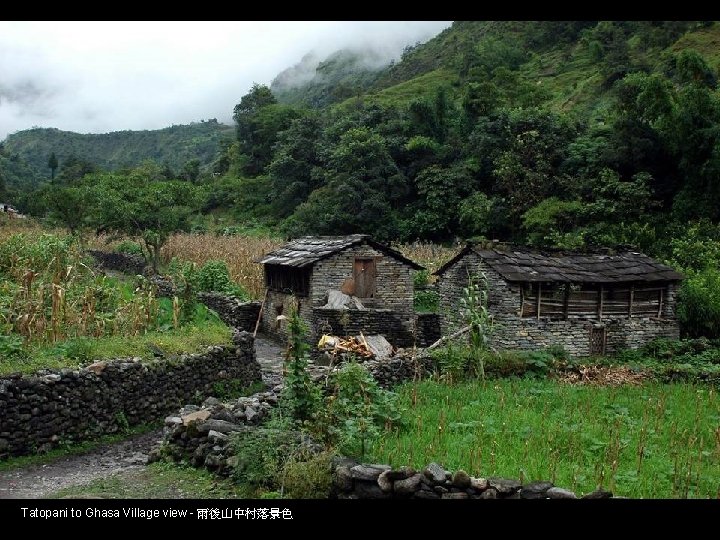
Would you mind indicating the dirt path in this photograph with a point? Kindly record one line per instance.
(38, 481)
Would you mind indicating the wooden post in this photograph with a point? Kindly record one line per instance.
(660, 303)
(260, 313)
(538, 302)
(566, 301)
(600, 303)
(631, 298)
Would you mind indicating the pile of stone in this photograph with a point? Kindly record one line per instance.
(201, 435)
(353, 480)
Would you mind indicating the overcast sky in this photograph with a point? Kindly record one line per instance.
(95, 77)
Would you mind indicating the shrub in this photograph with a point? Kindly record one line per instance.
(421, 278)
(129, 247)
(426, 301)
(357, 410)
(300, 397)
(308, 479)
(698, 307)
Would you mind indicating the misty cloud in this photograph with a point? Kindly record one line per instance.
(107, 76)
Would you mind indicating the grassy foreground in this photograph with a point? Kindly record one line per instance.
(651, 441)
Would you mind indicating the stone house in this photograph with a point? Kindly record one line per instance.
(377, 278)
(590, 304)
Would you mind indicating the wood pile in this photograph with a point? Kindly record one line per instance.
(360, 346)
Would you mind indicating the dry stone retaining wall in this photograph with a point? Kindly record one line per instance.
(353, 480)
(51, 407)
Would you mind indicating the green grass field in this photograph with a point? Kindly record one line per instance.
(651, 441)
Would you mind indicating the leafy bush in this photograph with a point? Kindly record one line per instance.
(308, 479)
(357, 410)
(79, 349)
(698, 307)
(129, 247)
(300, 397)
(213, 276)
(12, 347)
(421, 278)
(426, 301)
(261, 453)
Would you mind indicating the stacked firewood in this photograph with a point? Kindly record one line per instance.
(335, 345)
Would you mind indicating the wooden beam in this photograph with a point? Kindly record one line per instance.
(260, 313)
(600, 303)
(566, 301)
(539, 293)
(631, 297)
(660, 303)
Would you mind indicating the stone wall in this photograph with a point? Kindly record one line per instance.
(427, 329)
(51, 407)
(368, 321)
(233, 312)
(120, 262)
(353, 480)
(511, 331)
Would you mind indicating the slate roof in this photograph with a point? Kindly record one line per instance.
(523, 264)
(307, 250)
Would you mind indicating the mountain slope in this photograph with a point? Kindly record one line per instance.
(173, 146)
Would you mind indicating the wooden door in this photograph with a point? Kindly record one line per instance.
(364, 276)
(598, 337)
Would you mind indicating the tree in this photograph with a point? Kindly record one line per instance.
(68, 205)
(53, 164)
(140, 207)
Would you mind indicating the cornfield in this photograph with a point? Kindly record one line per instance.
(431, 256)
(238, 252)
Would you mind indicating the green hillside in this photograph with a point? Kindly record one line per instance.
(173, 146)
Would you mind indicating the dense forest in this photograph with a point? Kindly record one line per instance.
(554, 134)
(25, 155)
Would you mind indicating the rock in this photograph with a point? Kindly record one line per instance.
(426, 493)
(369, 490)
(440, 489)
(459, 495)
(478, 484)
(339, 300)
(504, 486)
(461, 479)
(218, 425)
(400, 474)
(342, 478)
(223, 414)
(211, 402)
(489, 493)
(407, 486)
(97, 367)
(173, 421)
(598, 494)
(385, 482)
(250, 413)
(535, 490)
(217, 436)
(435, 473)
(560, 493)
(197, 416)
(378, 345)
(368, 472)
